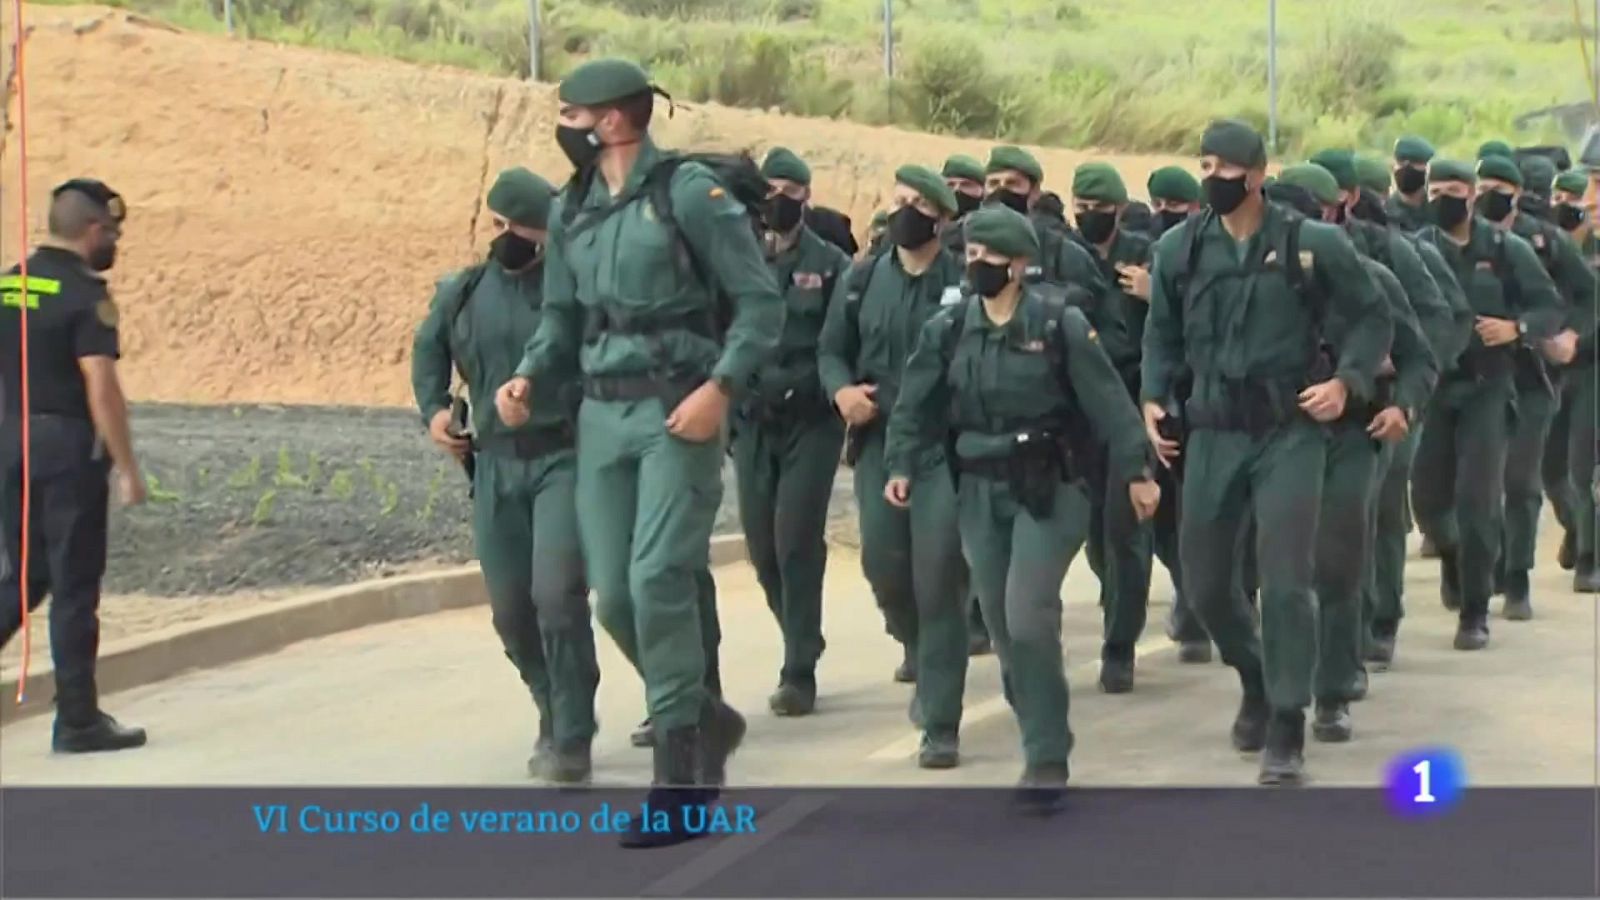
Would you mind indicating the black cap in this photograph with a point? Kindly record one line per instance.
(108, 200)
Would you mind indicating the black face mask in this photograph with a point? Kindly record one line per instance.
(1409, 180)
(1012, 200)
(1568, 216)
(581, 145)
(1448, 212)
(783, 213)
(513, 251)
(1168, 219)
(103, 257)
(1225, 194)
(910, 229)
(988, 279)
(966, 203)
(1495, 206)
(1097, 227)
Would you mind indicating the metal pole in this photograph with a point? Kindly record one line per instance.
(1272, 75)
(534, 66)
(888, 51)
(1594, 48)
(227, 14)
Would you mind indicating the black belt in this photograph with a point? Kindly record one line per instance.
(797, 405)
(529, 444)
(598, 321)
(627, 388)
(1252, 405)
(1486, 363)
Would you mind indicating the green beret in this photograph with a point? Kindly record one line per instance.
(880, 219)
(1173, 183)
(1373, 174)
(1500, 167)
(781, 162)
(1341, 164)
(1538, 172)
(1316, 180)
(1413, 149)
(602, 81)
(1099, 181)
(1004, 231)
(1450, 170)
(1015, 159)
(929, 184)
(963, 166)
(1494, 148)
(1572, 182)
(521, 197)
(1234, 141)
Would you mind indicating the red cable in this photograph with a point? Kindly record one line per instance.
(22, 231)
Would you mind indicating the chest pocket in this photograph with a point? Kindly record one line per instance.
(806, 294)
(632, 257)
(1485, 292)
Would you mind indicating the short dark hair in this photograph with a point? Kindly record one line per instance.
(72, 212)
(637, 109)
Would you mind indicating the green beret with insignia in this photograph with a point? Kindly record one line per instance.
(1501, 168)
(1413, 149)
(1450, 170)
(1234, 141)
(963, 166)
(602, 81)
(521, 197)
(929, 184)
(1572, 182)
(782, 162)
(1015, 159)
(1004, 231)
(1316, 180)
(1341, 164)
(1538, 173)
(1099, 181)
(1494, 148)
(1373, 174)
(1173, 183)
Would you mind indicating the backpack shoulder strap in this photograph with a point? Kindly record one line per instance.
(468, 283)
(1306, 284)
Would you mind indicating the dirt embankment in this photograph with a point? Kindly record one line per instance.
(291, 209)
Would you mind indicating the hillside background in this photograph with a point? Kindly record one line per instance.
(295, 197)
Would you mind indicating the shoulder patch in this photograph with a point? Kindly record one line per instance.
(106, 312)
(807, 280)
(1094, 335)
(718, 193)
(1538, 242)
(1307, 259)
(951, 296)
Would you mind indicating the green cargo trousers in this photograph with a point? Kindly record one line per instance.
(1119, 549)
(1458, 480)
(1344, 546)
(525, 528)
(1536, 410)
(1581, 462)
(785, 472)
(1018, 566)
(648, 502)
(1553, 469)
(1231, 477)
(912, 558)
(1383, 596)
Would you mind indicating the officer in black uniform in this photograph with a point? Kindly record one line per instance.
(78, 431)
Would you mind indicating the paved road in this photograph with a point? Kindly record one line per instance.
(432, 701)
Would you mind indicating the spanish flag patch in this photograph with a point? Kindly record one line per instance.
(1094, 335)
(717, 193)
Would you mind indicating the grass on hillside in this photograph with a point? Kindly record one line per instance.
(1131, 75)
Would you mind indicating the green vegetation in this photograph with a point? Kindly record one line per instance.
(1133, 75)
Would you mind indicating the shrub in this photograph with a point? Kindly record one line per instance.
(1343, 70)
(949, 87)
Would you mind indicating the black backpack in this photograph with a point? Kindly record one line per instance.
(737, 173)
(832, 226)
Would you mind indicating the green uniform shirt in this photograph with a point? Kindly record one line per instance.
(1128, 249)
(1445, 326)
(1565, 263)
(996, 381)
(867, 340)
(1234, 325)
(1416, 369)
(1534, 302)
(485, 341)
(1065, 262)
(807, 273)
(1405, 216)
(628, 265)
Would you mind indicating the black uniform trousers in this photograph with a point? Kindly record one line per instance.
(67, 555)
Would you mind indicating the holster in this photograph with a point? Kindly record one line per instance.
(1531, 372)
(855, 440)
(461, 427)
(1175, 427)
(1038, 462)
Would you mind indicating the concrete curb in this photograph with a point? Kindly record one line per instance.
(158, 655)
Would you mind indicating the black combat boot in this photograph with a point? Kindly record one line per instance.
(1332, 724)
(1358, 686)
(796, 696)
(1567, 556)
(544, 750)
(1043, 788)
(1449, 580)
(1250, 725)
(1472, 633)
(1380, 650)
(1283, 759)
(723, 729)
(941, 749)
(1519, 597)
(1116, 669)
(644, 735)
(1586, 579)
(570, 763)
(678, 764)
(94, 733)
(906, 673)
(1194, 652)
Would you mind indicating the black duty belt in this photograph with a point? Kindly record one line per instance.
(1362, 412)
(1486, 363)
(529, 444)
(597, 321)
(796, 405)
(628, 388)
(1252, 405)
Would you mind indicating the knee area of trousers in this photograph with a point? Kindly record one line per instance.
(887, 567)
(1030, 628)
(614, 613)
